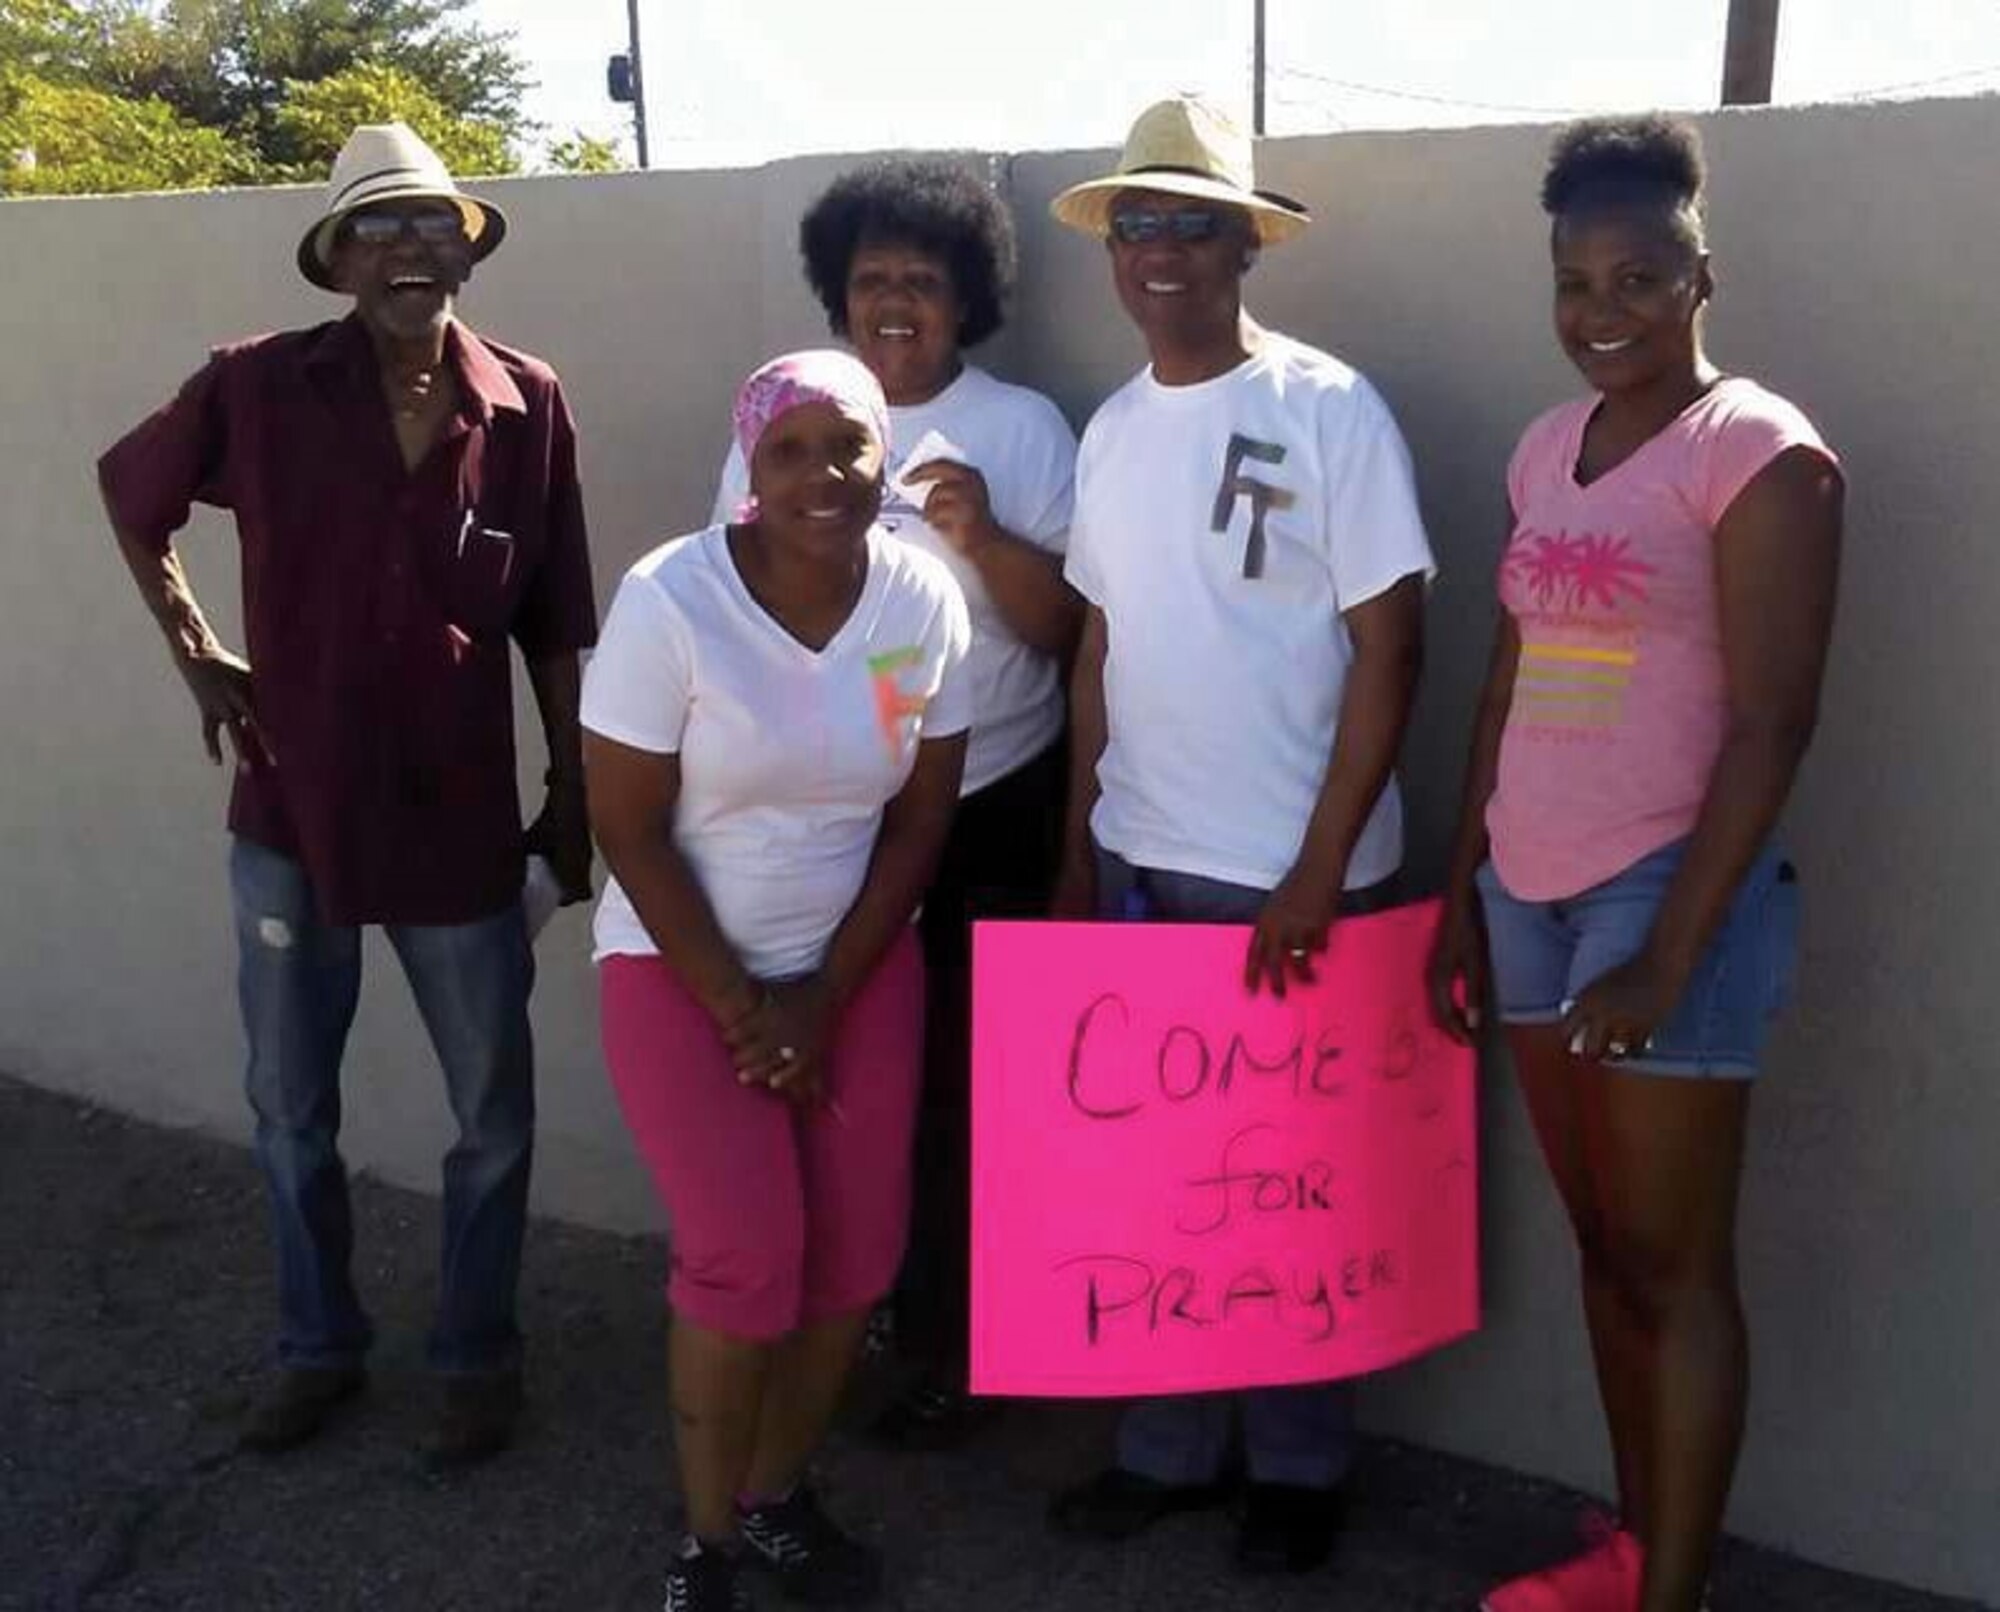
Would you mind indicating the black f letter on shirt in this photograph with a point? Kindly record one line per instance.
(1262, 495)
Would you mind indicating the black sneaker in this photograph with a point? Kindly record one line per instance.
(812, 1560)
(1117, 1504)
(707, 1582)
(1287, 1528)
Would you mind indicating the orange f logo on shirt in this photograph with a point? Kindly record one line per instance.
(892, 705)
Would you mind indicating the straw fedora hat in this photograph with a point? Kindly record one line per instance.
(390, 162)
(1185, 147)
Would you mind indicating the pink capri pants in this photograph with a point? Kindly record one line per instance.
(780, 1216)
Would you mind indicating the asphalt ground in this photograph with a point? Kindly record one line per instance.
(135, 1310)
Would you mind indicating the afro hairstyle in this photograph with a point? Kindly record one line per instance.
(938, 207)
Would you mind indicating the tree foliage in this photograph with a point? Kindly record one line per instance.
(68, 140)
(315, 119)
(140, 94)
(585, 154)
(232, 63)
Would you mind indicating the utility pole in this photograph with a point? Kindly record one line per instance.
(1257, 68)
(639, 81)
(1750, 53)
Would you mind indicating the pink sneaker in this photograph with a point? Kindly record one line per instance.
(1605, 1578)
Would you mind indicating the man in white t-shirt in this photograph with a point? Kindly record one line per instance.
(1247, 539)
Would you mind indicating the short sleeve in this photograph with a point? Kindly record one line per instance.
(1528, 463)
(1081, 563)
(1375, 532)
(1748, 437)
(638, 685)
(732, 489)
(558, 611)
(1041, 498)
(949, 710)
(174, 458)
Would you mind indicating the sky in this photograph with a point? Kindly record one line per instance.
(741, 81)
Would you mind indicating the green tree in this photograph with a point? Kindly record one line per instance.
(68, 140)
(230, 63)
(47, 38)
(315, 119)
(239, 67)
(108, 95)
(585, 154)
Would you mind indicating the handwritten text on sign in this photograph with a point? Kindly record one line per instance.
(1178, 1186)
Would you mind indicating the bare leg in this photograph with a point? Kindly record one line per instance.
(718, 1387)
(1667, 1157)
(809, 1372)
(1560, 1092)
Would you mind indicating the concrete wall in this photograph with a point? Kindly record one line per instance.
(1857, 255)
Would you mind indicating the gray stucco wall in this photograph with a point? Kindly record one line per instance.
(1857, 253)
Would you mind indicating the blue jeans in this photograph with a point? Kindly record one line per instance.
(297, 983)
(1301, 1435)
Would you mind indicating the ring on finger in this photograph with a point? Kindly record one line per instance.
(1299, 954)
(788, 1054)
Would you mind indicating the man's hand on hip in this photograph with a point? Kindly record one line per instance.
(220, 684)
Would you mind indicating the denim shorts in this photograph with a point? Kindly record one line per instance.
(1545, 952)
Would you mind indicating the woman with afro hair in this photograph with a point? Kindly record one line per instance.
(913, 260)
(1667, 596)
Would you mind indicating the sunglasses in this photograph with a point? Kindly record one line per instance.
(385, 229)
(1135, 226)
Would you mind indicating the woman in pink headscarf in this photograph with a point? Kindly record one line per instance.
(774, 731)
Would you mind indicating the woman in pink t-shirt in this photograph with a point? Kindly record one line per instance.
(1668, 589)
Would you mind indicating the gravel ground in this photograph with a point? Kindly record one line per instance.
(134, 1313)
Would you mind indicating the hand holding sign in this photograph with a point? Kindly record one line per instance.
(1290, 932)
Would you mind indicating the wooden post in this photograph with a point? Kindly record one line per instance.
(1750, 53)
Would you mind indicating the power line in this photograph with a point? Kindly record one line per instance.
(1357, 88)
(1918, 83)
(1315, 109)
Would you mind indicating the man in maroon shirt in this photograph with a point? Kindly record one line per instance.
(406, 501)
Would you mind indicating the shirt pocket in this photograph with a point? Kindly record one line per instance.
(491, 549)
(484, 575)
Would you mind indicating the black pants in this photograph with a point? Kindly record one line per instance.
(999, 862)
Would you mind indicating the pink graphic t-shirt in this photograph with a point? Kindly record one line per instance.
(1619, 702)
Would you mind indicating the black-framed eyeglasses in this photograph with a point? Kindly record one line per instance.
(431, 227)
(1135, 226)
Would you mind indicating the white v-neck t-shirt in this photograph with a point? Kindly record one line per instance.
(788, 755)
(1018, 440)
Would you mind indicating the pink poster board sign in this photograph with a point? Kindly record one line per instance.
(1178, 1186)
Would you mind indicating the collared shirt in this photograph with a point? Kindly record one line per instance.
(378, 602)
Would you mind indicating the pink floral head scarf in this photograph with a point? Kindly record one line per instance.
(816, 375)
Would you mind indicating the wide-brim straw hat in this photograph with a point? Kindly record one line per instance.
(1184, 147)
(390, 162)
